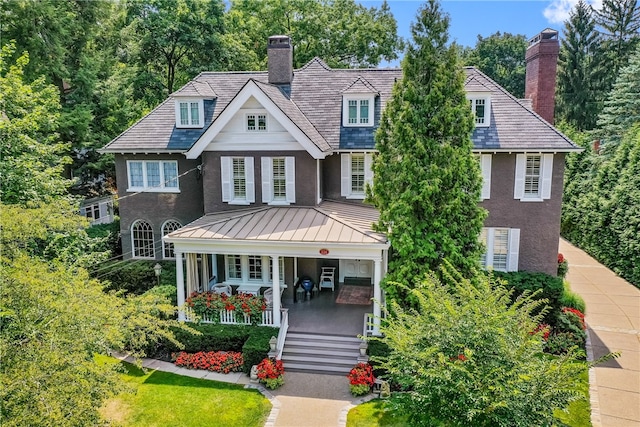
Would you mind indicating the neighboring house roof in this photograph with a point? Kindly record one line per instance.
(313, 103)
(513, 125)
(330, 222)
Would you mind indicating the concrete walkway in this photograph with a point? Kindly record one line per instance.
(613, 321)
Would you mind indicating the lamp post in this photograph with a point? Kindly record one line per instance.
(157, 269)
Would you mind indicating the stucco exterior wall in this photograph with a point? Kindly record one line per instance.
(156, 208)
(306, 178)
(539, 222)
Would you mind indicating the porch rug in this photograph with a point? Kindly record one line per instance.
(360, 295)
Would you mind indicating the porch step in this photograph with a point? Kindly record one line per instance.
(317, 353)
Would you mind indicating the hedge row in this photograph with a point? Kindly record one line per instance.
(251, 341)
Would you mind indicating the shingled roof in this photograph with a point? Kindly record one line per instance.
(314, 104)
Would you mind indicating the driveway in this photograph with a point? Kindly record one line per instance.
(613, 320)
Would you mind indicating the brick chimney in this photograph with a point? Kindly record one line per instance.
(542, 61)
(280, 60)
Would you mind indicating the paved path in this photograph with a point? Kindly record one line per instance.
(613, 320)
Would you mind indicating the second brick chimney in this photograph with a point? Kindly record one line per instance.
(542, 61)
(280, 60)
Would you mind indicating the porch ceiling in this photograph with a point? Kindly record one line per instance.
(330, 223)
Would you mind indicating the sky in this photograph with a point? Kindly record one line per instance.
(472, 17)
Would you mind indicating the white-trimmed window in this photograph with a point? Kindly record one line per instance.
(167, 248)
(189, 113)
(251, 268)
(485, 170)
(355, 173)
(256, 122)
(142, 239)
(357, 110)
(153, 175)
(481, 108)
(502, 247)
(234, 267)
(534, 173)
(278, 180)
(238, 186)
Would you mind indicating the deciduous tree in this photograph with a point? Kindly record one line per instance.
(501, 57)
(426, 179)
(343, 33)
(467, 356)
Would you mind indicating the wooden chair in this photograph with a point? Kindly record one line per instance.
(327, 279)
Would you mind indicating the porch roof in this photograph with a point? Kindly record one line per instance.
(330, 223)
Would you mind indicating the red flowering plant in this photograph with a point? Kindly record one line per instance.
(361, 379)
(215, 361)
(271, 372)
(574, 313)
(543, 329)
(209, 304)
(563, 266)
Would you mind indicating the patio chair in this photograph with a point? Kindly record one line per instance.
(268, 297)
(327, 278)
(221, 288)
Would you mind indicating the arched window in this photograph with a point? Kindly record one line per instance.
(142, 239)
(167, 228)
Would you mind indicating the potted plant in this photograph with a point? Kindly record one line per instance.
(271, 372)
(361, 379)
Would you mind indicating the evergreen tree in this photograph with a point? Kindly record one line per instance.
(579, 70)
(426, 180)
(619, 24)
(622, 106)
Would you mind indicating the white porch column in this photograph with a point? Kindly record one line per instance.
(377, 295)
(180, 285)
(214, 267)
(276, 289)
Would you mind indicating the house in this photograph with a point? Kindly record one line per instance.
(98, 210)
(258, 178)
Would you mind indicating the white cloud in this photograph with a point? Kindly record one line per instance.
(558, 10)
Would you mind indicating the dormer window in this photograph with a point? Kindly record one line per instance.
(357, 110)
(189, 113)
(481, 108)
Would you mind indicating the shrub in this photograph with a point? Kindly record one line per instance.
(215, 361)
(361, 379)
(256, 347)
(271, 372)
(136, 277)
(110, 235)
(550, 289)
(562, 342)
(377, 349)
(166, 291)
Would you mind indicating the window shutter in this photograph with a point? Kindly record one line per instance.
(225, 173)
(514, 249)
(485, 165)
(290, 172)
(368, 171)
(547, 174)
(518, 188)
(345, 175)
(103, 209)
(249, 175)
(267, 173)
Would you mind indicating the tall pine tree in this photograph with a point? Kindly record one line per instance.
(580, 70)
(426, 179)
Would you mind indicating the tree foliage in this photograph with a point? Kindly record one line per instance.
(501, 57)
(580, 70)
(31, 155)
(619, 24)
(343, 33)
(467, 356)
(426, 180)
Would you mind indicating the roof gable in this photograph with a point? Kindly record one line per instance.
(279, 106)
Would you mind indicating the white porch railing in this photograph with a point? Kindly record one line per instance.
(232, 317)
(282, 333)
(367, 329)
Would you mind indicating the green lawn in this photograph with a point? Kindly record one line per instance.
(164, 399)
